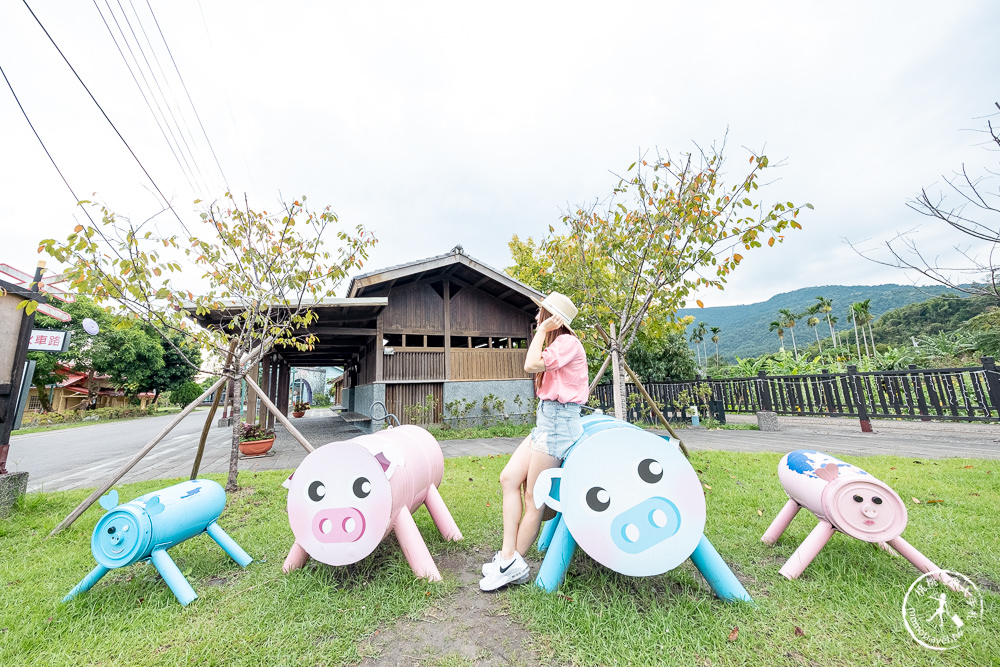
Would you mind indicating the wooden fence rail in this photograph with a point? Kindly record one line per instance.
(950, 394)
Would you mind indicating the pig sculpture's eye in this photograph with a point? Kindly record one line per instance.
(650, 471)
(877, 500)
(859, 499)
(362, 487)
(598, 499)
(317, 491)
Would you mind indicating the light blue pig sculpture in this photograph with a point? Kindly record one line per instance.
(146, 527)
(633, 503)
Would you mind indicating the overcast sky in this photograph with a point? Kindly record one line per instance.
(434, 124)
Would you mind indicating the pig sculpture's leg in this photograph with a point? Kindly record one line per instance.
(780, 522)
(442, 517)
(88, 582)
(924, 564)
(717, 573)
(810, 546)
(548, 530)
(414, 547)
(556, 561)
(228, 544)
(297, 557)
(175, 580)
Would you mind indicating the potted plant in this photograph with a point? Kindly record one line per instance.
(299, 408)
(255, 439)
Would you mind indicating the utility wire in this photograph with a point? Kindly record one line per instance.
(190, 101)
(180, 132)
(185, 168)
(160, 192)
(51, 159)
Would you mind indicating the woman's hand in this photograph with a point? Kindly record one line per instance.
(551, 324)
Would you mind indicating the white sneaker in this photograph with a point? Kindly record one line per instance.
(514, 572)
(492, 566)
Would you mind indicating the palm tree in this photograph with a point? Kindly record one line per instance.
(777, 325)
(825, 306)
(853, 311)
(864, 316)
(812, 322)
(833, 322)
(702, 330)
(789, 321)
(697, 350)
(715, 339)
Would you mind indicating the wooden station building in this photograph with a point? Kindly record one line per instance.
(449, 327)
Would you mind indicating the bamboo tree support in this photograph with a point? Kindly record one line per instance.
(210, 418)
(597, 378)
(645, 394)
(656, 410)
(82, 507)
(280, 417)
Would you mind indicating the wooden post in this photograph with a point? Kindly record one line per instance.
(992, 382)
(379, 354)
(281, 418)
(254, 372)
(208, 420)
(858, 390)
(447, 329)
(266, 419)
(82, 507)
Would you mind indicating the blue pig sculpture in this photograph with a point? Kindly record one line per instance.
(146, 527)
(633, 503)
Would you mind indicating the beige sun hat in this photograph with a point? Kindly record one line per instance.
(559, 304)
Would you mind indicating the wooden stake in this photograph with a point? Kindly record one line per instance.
(280, 417)
(211, 417)
(82, 507)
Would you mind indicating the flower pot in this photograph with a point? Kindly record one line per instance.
(299, 414)
(256, 447)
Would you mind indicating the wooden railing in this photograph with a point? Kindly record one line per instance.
(950, 394)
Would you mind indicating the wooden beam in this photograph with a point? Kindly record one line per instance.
(379, 363)
(447, 330)
(344, 331)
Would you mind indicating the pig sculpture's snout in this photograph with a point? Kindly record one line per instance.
(645, 525)
(338, 525)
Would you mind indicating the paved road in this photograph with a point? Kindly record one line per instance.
(86, 456)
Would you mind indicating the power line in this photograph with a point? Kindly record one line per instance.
(160, 192)
(37, 136)
(185, 168)
(180, 131)
(190, 101)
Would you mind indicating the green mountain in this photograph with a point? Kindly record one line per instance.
(744, 328)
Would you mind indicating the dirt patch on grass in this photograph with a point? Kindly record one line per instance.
(469, 627)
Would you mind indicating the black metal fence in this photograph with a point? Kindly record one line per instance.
(952, 394)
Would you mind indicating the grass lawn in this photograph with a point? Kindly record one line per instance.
(847, 604)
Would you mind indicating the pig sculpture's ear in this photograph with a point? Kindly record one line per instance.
(110, 501)
(288, 482)
(389, 458)
(546, 490)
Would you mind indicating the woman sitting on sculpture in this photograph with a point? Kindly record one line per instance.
(559, 362)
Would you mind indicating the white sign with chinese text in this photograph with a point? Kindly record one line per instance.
(48, 340)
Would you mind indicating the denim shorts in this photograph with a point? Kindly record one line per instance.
(557, 427)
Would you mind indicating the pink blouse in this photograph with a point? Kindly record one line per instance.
(565, 379)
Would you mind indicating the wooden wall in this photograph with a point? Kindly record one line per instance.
(474, 313)
(413, 366)
(398, 396)
(486, 364)
(414, 308)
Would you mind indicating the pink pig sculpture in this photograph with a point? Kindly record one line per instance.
(345, 498)
(846, 498)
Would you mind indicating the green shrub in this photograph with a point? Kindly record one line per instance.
(186, 393)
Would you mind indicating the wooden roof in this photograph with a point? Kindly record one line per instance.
(343, 327)
(457, 267)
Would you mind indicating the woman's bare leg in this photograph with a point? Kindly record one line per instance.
(513, 476)
(527, 530)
